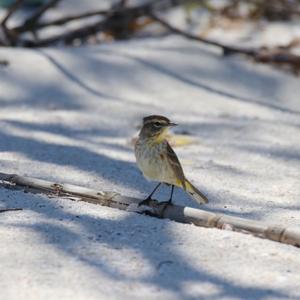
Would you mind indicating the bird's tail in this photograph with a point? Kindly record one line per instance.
(195, 193)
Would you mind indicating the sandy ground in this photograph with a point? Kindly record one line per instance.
(69, 115)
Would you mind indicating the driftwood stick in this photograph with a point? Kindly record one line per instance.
(198, 217)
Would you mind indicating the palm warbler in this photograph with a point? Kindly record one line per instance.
(157, 160)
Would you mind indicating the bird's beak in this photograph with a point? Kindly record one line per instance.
(172, 124)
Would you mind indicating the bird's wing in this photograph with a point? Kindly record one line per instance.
(175, 165)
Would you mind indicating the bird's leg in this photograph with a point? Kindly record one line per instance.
(172, 190)
(146, 201)
(171, 196)
(166, 203)
(150, 196)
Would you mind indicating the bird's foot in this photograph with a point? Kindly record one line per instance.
(164, 205)
(145, 202)
(169, 202)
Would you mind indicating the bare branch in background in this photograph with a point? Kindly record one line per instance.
(11, 10)
(280, 55)
(69, 36)
(275, 10)
(226, 49)
(122, 22)
(8, 33)
(118, 17)
(116, 22)
(32, 21)
(12, 34)
(64, 20)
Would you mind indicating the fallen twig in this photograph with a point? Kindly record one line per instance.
(287, 235)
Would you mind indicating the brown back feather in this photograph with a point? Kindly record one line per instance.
(175, 164)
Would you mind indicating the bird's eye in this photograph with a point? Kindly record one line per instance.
(157, 124)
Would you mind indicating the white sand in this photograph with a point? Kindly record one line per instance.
(69, 114)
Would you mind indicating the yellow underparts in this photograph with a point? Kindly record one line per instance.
(179, 183)
(161, 136)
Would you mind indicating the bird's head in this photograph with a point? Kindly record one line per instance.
(155, 127)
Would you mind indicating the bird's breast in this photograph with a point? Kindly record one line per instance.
(150, 159)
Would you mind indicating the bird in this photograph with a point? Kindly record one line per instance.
(158, 161)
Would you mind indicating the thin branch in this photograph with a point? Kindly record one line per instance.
(12, 9)
(64, 20)
(280, 55)
(118, 17)
(118, 23)
(31, 21)
(70, 36)
(114, 18)
(226, 48)
(282, 234)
